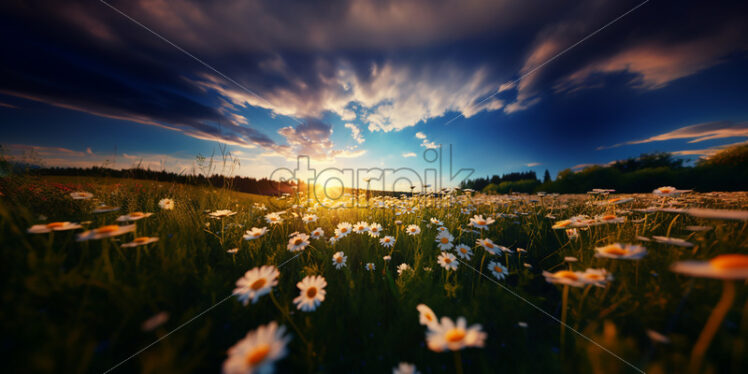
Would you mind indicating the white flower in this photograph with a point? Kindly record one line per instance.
(370, 266)
(566, 277)
(488, 245)
(298, 242)
(339, 260)
(499, 271)
(344, 228)
(221, 213)
(318, 233)
(375, 229)
(273, 218)
(401, 268)
(669, 191)
(444, 240)
(435, 221)
(447, 261)
(53, 226)
(413, 230)
(80, 195)
(572, 233)
(309, 218)
(258, 351)
(405, 368)
(426, 316)
(255, 283)
(727, 266)
(107, 231)
(596, 277)
(448, 335)
(134, 216)
(361, 227)
(621, 251)
(312, 293)
(255, 233)
(166, 204)
(105, 209)
(387, 258)
(387, 241)
(672, 241)
(738, 215)
(464, 251)
(480, 223)
(142, 240)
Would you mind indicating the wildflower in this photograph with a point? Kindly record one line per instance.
(402, 267)
(53, 226)
(339, 260)
(405, 368)
(442, 229)
(738, 215)
(255, 233)
(572, 234)
(334, 239)
(344, 228)
(570, 259)
(309, 218)
(298, 242)
(369, 266)
(134, 216)
(258, 351)
(80, 195)
(499, 271)
(607, 218)
(413, 230)
(221, 213)
(318, 233)
(522, 324)
(617, 201)
(107, 231)
(448, 335)
(727, 266)
(447, 261)
(426, 316)
(435, 221)
(312, 293)
(480, 223)
(565, 277)
(596, 277)
(273, 218)
(464, 251)
(255, 283)
(374, 230)
(166, 204)
(576, 221)
(619, 251)
(361, 228)
(444, 240)
(141, 240)
(387, 241)
(672, 241)
(105, 209)
(669, 191)
(232, 251)
(488, 245)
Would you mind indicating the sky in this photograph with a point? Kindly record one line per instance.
(505, 85)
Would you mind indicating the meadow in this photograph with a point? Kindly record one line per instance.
(551, 291)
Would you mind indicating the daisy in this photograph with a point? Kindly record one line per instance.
(405, 368)
(727, 266)
(426, 316)
(80, 195)
(318, 233)
(738, 215)
(565, 277)
(370, 266)
(444, 240)
(619, 251)
(596, 277)
(339, 259)
(258, 351)
(617, 201)
(255, 233)
(273, 218)
(387, 258)
(141, 240)
(454, 336)
(232, 251)
(464, 251)
(488, 245)
(402, 268)
(499, 271)
(166, 204)
(413, 230)
(334, 239)
(255, 283)
(298, 242)
(570, 259)
(221, 213)
(572, 234)
(344, 228)
(672, 241)
(435, 221)
(442, 229)
(107, 231)
(447, 261)
(309, 218)
(374, 230)
(480, 223)
(668, 191)
(105, 209)
(312, 293)
(361, 228)
(387, 241)
(53, 226)
(608, 218)
(134, 216)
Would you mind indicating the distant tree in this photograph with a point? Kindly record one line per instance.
(546, 177)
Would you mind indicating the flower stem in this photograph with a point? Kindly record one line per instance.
(458, 362)
(564, 303)
(712, 325)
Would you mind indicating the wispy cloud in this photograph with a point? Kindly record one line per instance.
(409, 154)
(706, 152)
(355, 133)
(532, 164)
(697, 133)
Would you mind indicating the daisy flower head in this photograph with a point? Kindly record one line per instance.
(105, 209)
(53, 226)
(134, 216)
(141, 240)
(572, 234)
(480, 223)
(621, 251)
(498, 270)
(447, 261)
(444, 240)
(565, 277)
(442, 229)
(318, 233)
(255, 283)
(375, 229)
(436, 221)
(361, 227)
(258, 351)
(81, 195)
(668, 191)
(344, 228)
(608, 219)
(273, 218)
(339, 260)
(488, 245)
(166, 204)
(312, 293)
(387, 241)
(221, 213)
(413, 230)
(107, 231)
(448, 335)
(405, 368)
(678, 242)
(596, 277)
(298, 242)
(464, 251)
(309, 218)
(369, 266)
(402, 268)
(334, 239)
(255, 233)
(727, 266)
(426, 316)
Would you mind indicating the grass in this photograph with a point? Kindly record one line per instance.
(79, 307)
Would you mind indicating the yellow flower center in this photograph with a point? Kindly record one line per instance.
(54, 225)
(566, 274)
(141, 239)
(454, 335)
(667, 190)
(481, 223)
(730, 261)
(258, 354)
(614, 250)
(593, 276)
(339, 259)
(498, 269)
(106, 229)
(563, 224)
(137, 214)
(297, 241)
(488, 244)
(256, 285)
(463, 250)
(609, 217)
(311, 292)
(429, 317)
(343, 230)
(386, 240)
(374, 229)
(447, 260)
(445, 240)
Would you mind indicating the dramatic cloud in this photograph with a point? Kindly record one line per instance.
(312, 138)
(697, 133)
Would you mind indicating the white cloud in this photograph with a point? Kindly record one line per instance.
(355, 133)
(420, 135)
(409, 154)
(697, 133)
(532, 164)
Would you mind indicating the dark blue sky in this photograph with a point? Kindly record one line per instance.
(371, 83)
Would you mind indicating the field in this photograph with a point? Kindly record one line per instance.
(77, 306)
